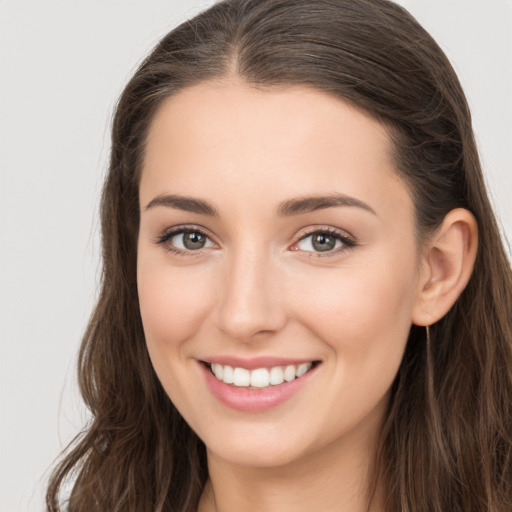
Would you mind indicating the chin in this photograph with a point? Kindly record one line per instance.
(256, 454)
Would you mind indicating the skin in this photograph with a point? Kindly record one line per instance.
(257, 289)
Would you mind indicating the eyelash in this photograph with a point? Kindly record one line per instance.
(168, 235)
(347, 241)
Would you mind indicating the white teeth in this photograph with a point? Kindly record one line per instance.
(276, 375)
(241, 377)
(302, 369)
(227, 375)
(261, 377)
(218, 370)
(289, 373)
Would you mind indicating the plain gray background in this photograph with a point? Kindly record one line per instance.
(63, 64)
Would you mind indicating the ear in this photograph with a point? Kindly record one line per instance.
(447, 263)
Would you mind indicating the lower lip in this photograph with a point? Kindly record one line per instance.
(254, 400)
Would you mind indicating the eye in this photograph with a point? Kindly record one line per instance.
(189, 240)
(185, 240)
(327, 240)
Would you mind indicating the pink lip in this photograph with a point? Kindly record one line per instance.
(254, 400)
(255, 362)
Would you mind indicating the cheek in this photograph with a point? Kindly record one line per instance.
(169, 303)
(363, 316)
(363, 313)
(362, 306)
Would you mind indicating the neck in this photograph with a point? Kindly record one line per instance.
(335, 478)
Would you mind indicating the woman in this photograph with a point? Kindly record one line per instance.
(306, 303)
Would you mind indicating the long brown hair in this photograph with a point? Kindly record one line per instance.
(446, 446)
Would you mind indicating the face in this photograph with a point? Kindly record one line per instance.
(275, 239)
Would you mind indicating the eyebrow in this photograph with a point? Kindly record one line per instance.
(288, 208)
(309, 204)
(187, 204)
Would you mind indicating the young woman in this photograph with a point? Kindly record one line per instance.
(306, 304)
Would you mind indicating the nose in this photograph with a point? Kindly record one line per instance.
(251, 302)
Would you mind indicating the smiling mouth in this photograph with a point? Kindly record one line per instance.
(259, 378)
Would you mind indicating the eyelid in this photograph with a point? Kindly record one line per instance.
(169, 233)
(348, 241)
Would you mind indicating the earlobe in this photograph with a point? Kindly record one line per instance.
(447, 264)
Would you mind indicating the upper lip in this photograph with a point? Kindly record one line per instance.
(255, 362)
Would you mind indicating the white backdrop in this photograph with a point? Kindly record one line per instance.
(62, 65)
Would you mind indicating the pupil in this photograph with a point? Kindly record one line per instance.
(193, 240)
(323, 242)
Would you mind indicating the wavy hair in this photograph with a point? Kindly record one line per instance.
(446, 444)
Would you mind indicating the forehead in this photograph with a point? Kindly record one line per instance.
(230, 140)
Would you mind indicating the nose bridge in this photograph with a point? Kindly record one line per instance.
(249, 294)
